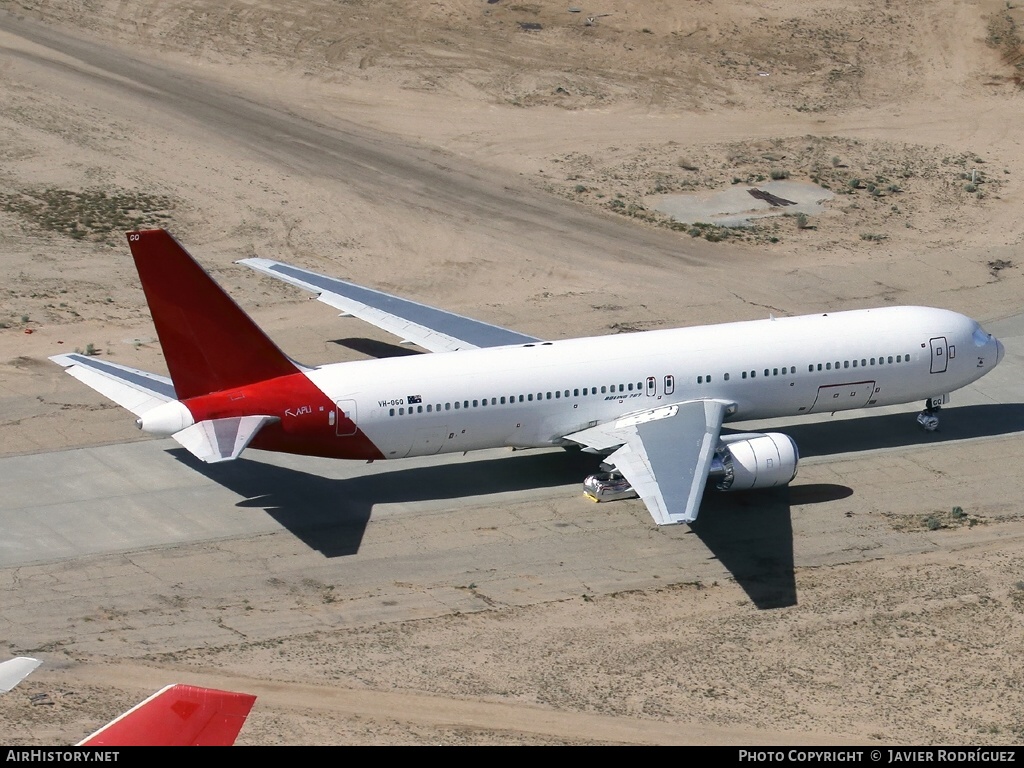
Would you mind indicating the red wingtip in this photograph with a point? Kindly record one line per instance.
(178, 716)
(209, 343)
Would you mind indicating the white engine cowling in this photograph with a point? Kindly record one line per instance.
(754, 461)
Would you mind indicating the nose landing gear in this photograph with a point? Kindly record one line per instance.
(929, 417)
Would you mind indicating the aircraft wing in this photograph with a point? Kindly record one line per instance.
(13, 671)
(138, 391)
(178, 716)
(431, 328)
(665, 453)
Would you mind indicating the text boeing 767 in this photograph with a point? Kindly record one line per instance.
(653, 403)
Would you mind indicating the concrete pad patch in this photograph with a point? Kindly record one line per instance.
(740, 205)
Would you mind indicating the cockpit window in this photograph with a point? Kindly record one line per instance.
(980, 337)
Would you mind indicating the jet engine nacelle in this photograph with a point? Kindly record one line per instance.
(754, 461)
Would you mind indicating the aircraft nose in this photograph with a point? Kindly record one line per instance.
(999, 350)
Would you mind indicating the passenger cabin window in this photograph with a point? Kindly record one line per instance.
(670, 384)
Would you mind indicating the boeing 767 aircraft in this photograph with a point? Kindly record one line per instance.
(653, 403)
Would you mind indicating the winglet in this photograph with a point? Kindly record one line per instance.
(178, 716)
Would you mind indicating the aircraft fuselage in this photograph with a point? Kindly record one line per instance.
(534, 394)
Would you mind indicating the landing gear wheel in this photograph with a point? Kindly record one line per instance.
(929, 417)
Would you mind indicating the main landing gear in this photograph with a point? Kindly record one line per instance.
(929, 417)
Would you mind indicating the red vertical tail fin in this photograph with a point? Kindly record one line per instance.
(209, 343)
(178, 716)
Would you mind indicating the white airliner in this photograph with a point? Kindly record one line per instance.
(654, 403)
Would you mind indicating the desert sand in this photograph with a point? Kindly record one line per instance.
(494, 158)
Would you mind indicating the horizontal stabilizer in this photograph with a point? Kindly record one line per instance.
(431, 328)
(13, 671)
(178, 716)
(216, 440)
(138, 391)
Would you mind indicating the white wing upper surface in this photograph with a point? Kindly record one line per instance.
(431, 328)
(665, 453)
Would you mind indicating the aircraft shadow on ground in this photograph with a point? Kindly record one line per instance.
(867, 433)
(750, 533)
(375, 348)
(330, 515)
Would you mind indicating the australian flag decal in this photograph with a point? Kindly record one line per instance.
(414, 399)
